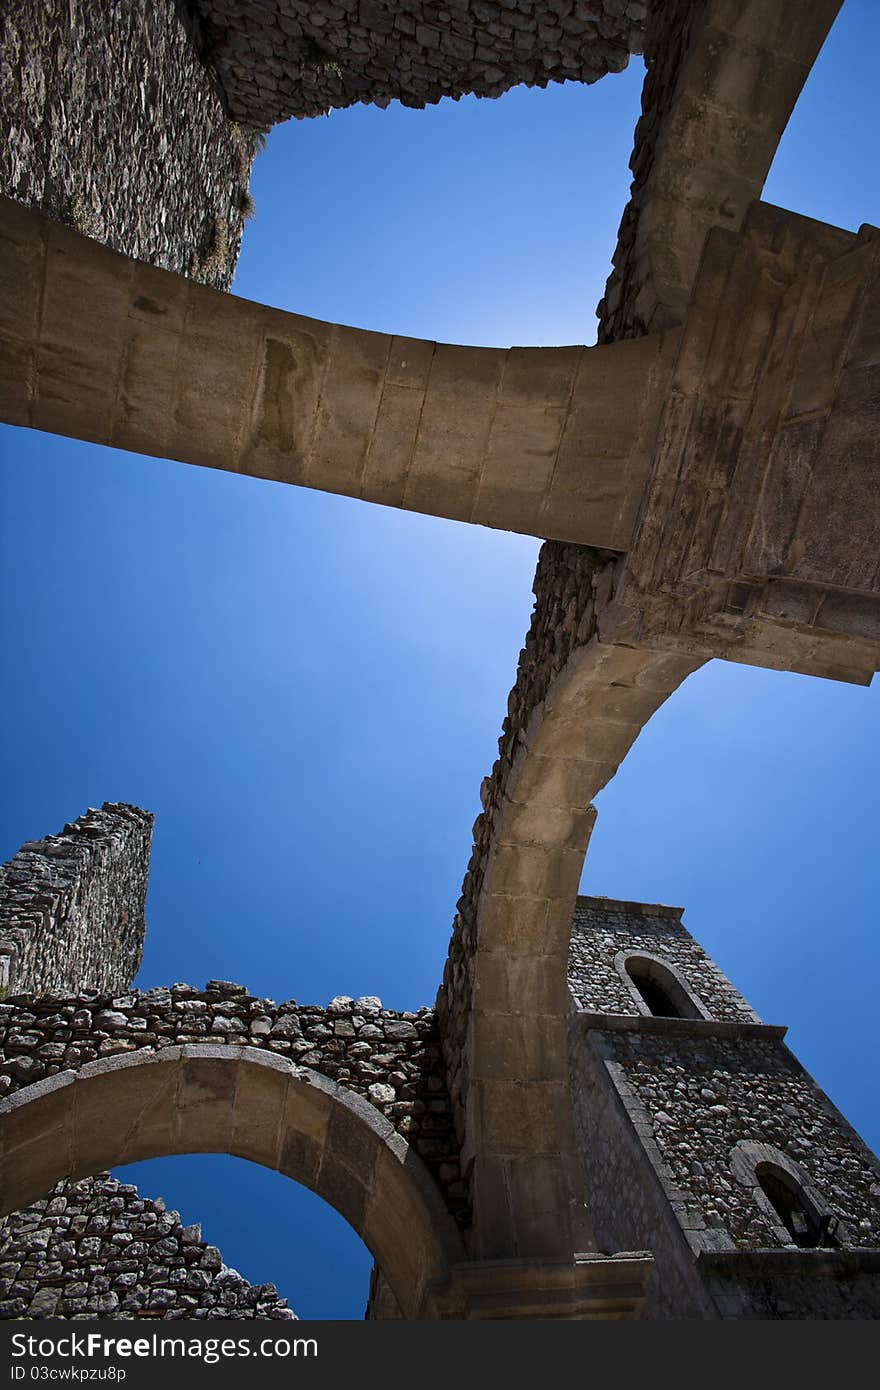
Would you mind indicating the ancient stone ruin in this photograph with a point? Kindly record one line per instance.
(590, 1122)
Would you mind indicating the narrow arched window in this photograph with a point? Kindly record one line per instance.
(807, 1227)
(659, 989)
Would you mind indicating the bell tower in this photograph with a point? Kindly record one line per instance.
(702, 1137)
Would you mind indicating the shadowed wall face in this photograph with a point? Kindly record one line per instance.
(305, 57)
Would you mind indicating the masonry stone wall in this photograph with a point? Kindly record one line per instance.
(602, 928)
(110, 121)
(305, 57)
(391, 1059)
(626, 305)
(72, 905)
(96, 1248)
(656, 1151)
(569, 586)
(701, 1094)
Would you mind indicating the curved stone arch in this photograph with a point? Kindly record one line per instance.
(518, 1128)
(668, 975)
(722, 83)
(237, 1100)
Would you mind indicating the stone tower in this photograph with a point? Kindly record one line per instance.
(704, 1139)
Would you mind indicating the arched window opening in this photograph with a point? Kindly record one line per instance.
(661, 992)
(807, 1227)
(655, 996)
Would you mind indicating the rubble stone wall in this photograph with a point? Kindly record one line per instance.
(72, 905)
(391, 1059)
(95, 1248)
(72, 915)
(110, 121)
(699, 1095)
(304, 57)
(656, 1119)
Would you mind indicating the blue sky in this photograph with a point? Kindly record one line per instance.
(307, 690)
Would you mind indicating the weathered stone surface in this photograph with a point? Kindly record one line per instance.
(110, 122)
(721, 83)
(752, 545)
(511, 438)
(767, 440)
(304, 57)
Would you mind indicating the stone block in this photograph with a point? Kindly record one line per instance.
(520, 1118)
(386, 467)
(517, 1046)
(456, 419)
(205, 1099)
(347, 410)
(518, 465)
(531, 871)
(140, 1092)
(540, 374)
(22, 270)
(217, 370)
(519, 983)
(259, 1107)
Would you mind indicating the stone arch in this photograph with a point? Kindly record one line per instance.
(720, 102)
(205, 1098)
(518, 1127)
(670, 979)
